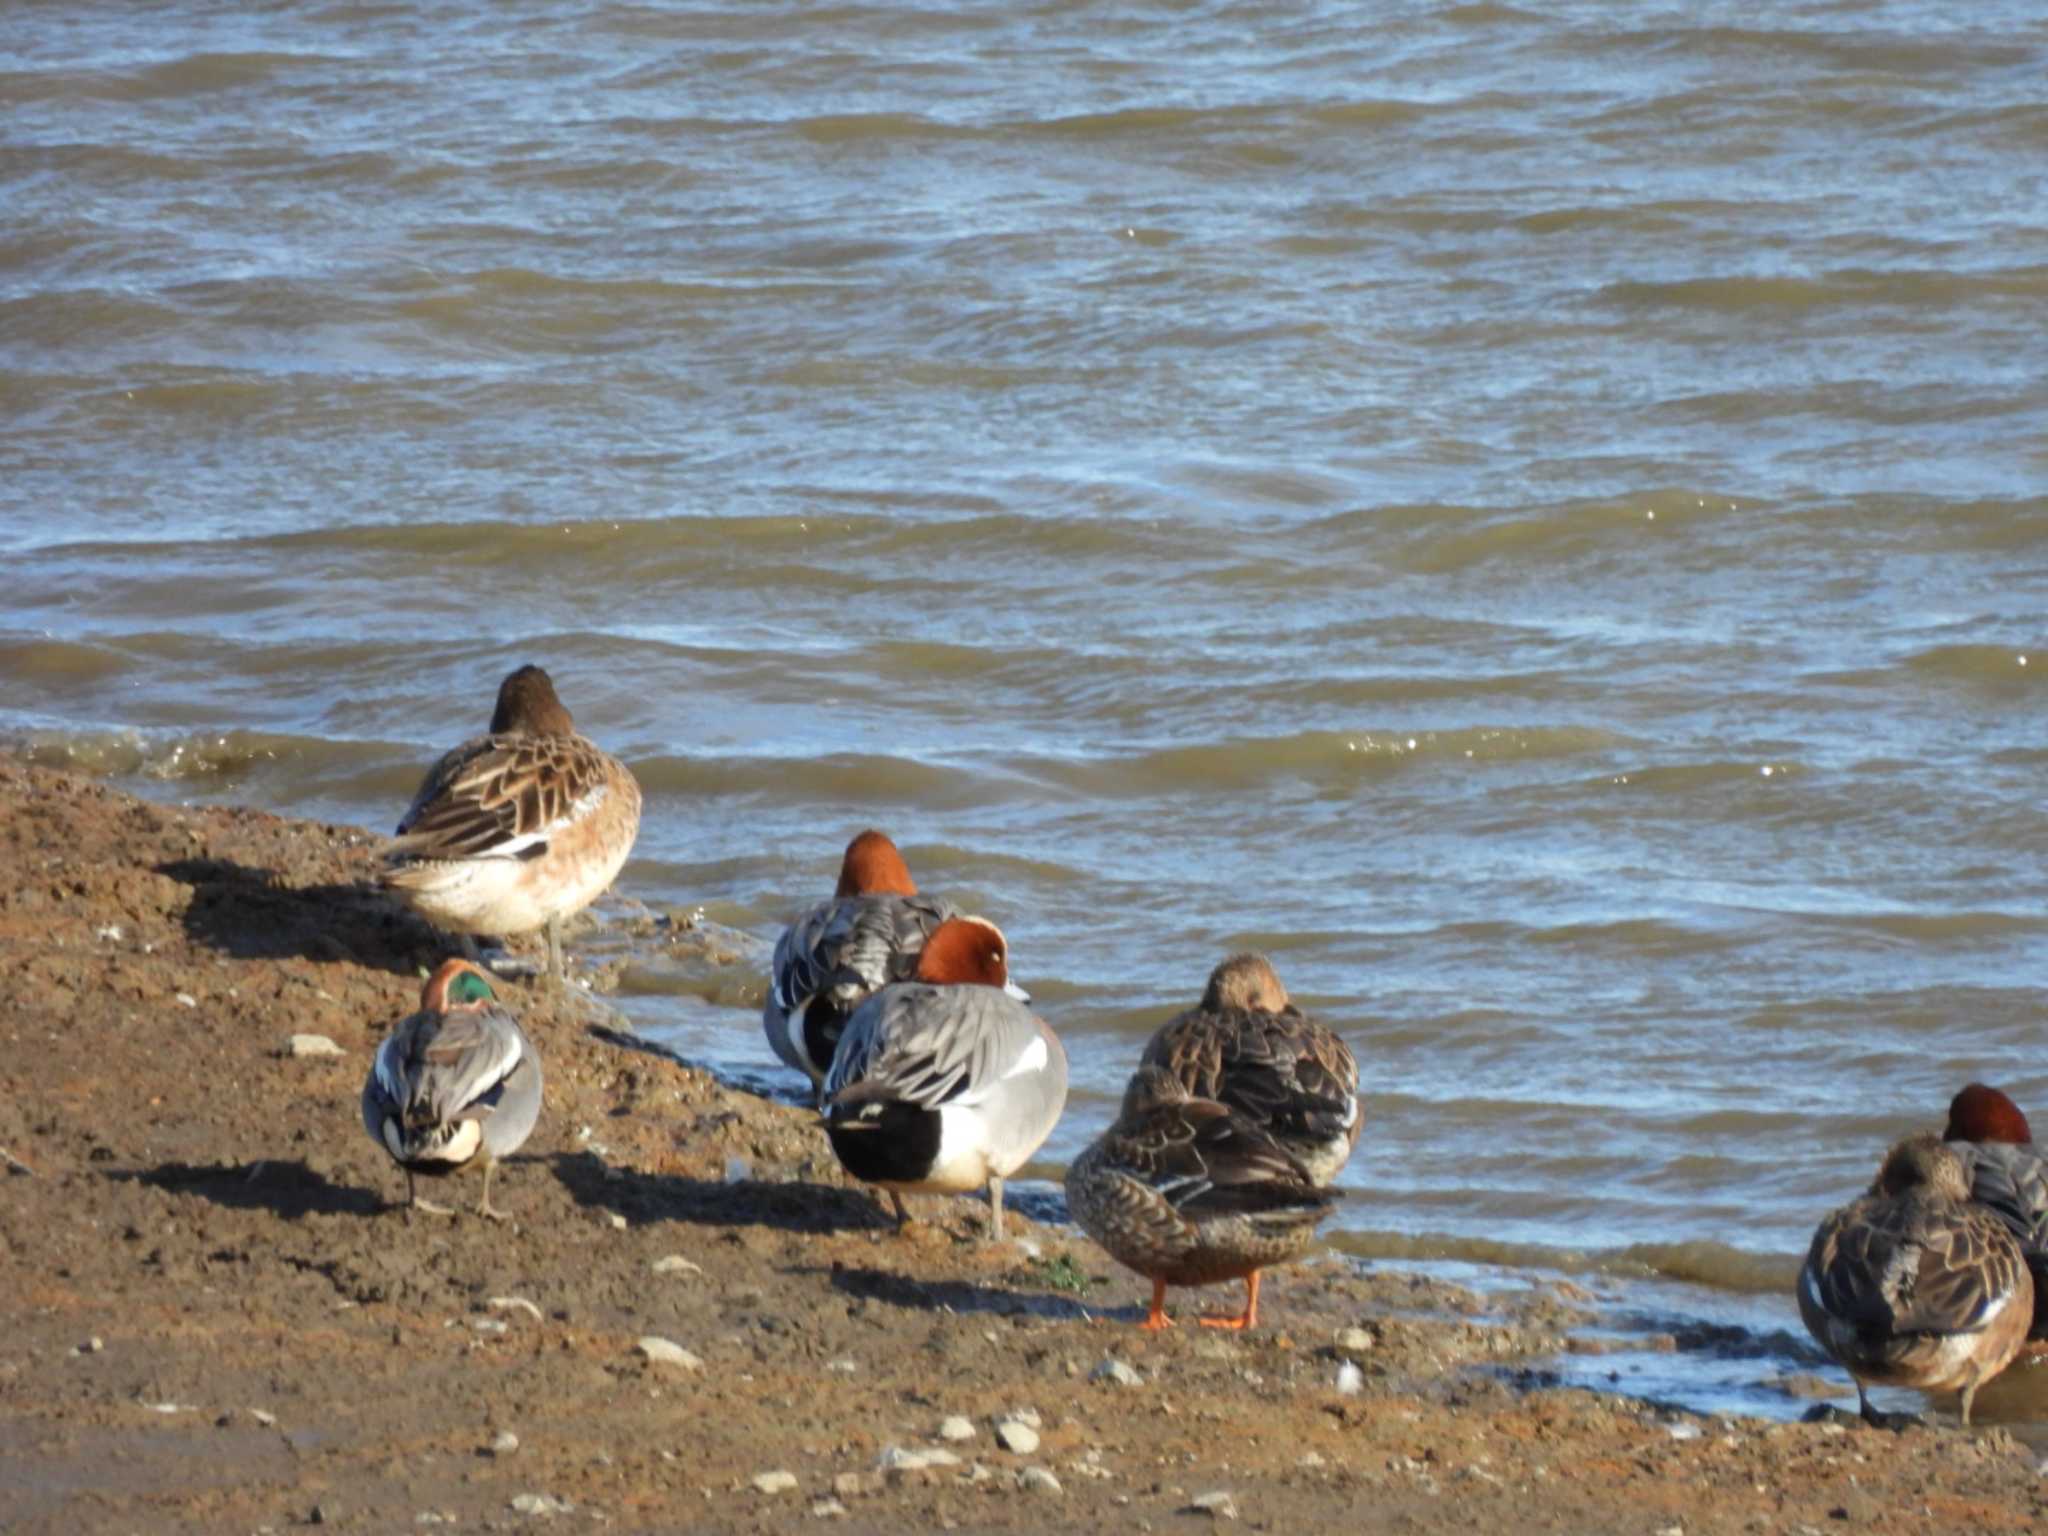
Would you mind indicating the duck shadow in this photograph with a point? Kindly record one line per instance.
(957, 1296)
(644, 1198)
(288, 1189)
(253, 914)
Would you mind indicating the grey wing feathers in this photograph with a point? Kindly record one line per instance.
(1292, 1075)
(927, 1045)
(2012, 1183)
(852, 945)
(447, 1066)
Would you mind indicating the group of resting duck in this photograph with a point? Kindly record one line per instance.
(933, 1075)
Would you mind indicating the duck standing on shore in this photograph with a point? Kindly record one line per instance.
(1188, 1191)
(457, 1083)
(946, 1083)
(2009, 1178)
(1914, 1285)
(1247, 1046)
(515, 830)
(833, 957)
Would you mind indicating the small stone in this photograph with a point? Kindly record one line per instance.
(504, 1443)
(267, 1420)
(849, 1485)
(1357, 1340)
(667, 1352)
(515, 1303)
(895, 1458)
(318, 1515)
(1683, 1430)
(304, 1045)
(615, 1221)
(774, 1482)
(827, 1509)
(1017, 1437)
(1218, 1505)
(187, 1000)
(92, 1346)
(676, 1264)
(956, 1427)
(1038, 1480)
(1350, 1380)
(1313, 1459)
(1028, 1417)
(540, 1504)
(1116, 1373)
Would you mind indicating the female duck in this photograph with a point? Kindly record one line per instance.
(456, 1083)
(515, 830)
(1914, 1285)
(1187, 1191)
(832, 957)
(2008, 1177)
(945, 1083)
(1247, 1046)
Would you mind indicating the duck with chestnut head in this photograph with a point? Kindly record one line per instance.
(946, 1083)
(2008, 1177)
(836, 955)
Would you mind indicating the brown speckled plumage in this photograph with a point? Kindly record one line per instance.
(1188, 1191)
(1914, 1285)
(1246, 1045)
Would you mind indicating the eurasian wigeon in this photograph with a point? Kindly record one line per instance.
(456, 1084)
(1914, 1285)
(1188, 1191)
(834, 956)
(518, 829)
(1246, 1045)
(945, 1083)
(2009, 1177)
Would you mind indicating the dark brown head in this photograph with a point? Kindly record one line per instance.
(1979, 1113)
(1246, 981)
(965, 951)
(1923, 1161)
(527, 706)
(874, 867)
(455, 984)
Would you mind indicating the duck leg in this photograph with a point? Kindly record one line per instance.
(995, 1212)
(1157, 1319)
(484, 1206)
(1247, 1319)
(555, 952)
(413, 1202)
(902, 1215)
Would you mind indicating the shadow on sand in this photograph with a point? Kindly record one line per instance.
(286, 1189)
(643, 1198)
(252, 914)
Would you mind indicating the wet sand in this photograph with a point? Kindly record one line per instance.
(220, 1320)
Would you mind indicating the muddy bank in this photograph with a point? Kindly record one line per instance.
(219, 1321)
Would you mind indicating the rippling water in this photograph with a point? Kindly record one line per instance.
(1534, 517)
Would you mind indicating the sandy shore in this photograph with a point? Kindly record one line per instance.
(218, 1320)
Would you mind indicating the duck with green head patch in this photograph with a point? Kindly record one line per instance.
(457, 1083)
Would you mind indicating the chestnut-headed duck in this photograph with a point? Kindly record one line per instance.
(946, 1083)
(456, 1084)
(516, 830)
(2009, 1177)
(829, 961)
(1246, 1045)
(1189, 1191)
(1915, 1285)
